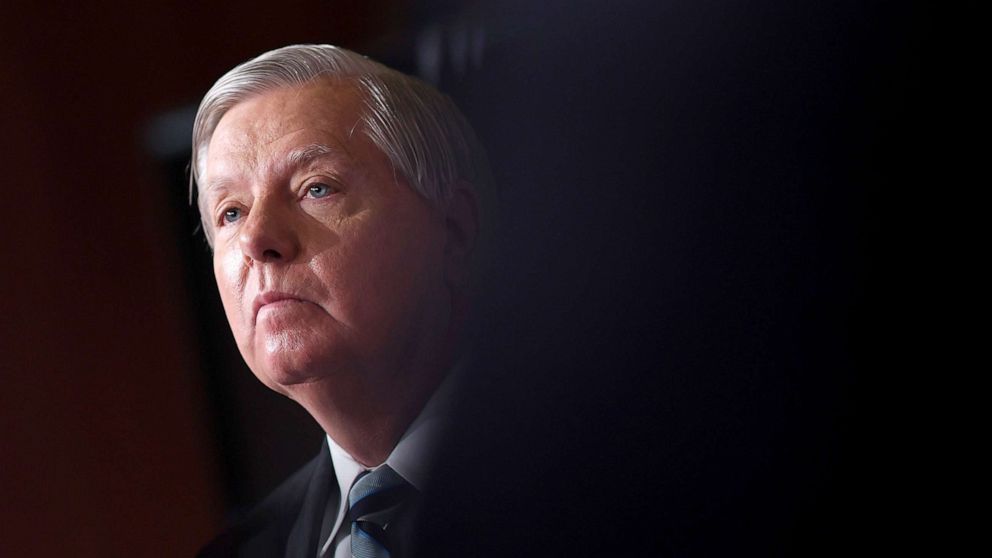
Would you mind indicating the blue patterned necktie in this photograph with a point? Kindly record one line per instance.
(373, 501)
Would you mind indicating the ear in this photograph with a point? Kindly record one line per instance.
(462, 227)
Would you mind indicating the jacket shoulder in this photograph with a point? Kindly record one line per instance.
(264, 530)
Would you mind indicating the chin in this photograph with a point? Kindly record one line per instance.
(282, 379)
(286, 367)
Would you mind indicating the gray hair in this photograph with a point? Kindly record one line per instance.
(421, 131)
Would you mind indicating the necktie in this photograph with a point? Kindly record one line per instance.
(373, 502)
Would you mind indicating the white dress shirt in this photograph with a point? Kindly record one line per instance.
(411, 459)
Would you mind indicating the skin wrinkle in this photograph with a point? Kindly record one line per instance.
(376, 332)
(431, 173)
(295, 160)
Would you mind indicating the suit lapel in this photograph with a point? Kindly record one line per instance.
(304, 537)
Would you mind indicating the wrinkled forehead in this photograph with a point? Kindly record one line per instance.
(326, 109)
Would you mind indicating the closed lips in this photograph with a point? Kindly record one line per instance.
(273, 299)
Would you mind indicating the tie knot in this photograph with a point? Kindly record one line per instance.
(374, 501)
(377, 484)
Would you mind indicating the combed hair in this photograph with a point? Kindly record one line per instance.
(420, 130)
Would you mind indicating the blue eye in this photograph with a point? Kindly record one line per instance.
(232, 214)
(319, 190)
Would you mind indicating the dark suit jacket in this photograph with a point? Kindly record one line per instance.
(287, 523)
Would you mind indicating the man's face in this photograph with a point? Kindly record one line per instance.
(329, 265)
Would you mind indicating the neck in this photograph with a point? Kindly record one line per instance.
(368, 425)
(367, 417)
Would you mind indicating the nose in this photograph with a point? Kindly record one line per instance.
(269, 234)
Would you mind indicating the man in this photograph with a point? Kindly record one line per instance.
(339, 197)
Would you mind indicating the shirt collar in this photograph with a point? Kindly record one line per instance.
(411, 457)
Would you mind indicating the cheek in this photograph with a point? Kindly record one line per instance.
(228, 267)
(374, 274)
(400, 269)
(229, 274)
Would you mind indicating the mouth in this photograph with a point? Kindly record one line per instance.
(273, 299)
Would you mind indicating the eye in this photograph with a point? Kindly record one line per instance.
(231, 215)
(319, 190)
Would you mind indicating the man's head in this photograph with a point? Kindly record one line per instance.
(339, 198)
(420, 130)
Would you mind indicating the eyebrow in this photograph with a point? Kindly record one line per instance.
(302, 156)
(216, 186)
(296, 158)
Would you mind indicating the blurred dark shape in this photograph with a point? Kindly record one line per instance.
(688, 344)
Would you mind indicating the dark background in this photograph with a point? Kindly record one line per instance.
(690, 319)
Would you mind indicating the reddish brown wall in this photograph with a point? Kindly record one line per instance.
(104, 442)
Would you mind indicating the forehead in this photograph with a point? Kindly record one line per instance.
(271, 123)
